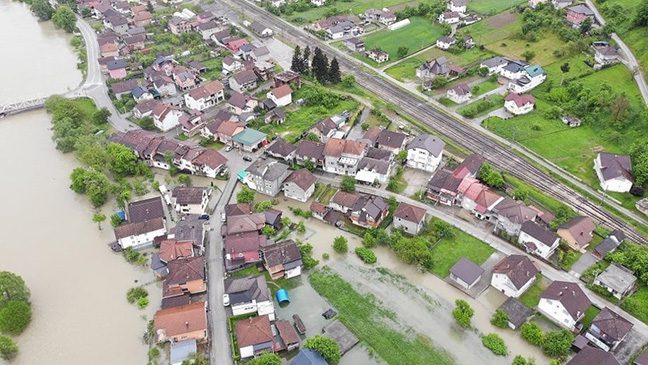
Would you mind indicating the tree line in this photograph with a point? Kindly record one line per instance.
(15, 312)
(318, 65)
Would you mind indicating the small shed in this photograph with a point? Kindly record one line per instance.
(517, 312)
(181, 351)
(282, 296)
(338, 332)
(466, 273)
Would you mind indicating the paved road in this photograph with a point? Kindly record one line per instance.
(497, 243)
(463, 134)
(630, 59)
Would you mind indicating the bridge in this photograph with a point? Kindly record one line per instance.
(21, 106)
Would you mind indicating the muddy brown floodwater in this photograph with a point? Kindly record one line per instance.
(78, 285)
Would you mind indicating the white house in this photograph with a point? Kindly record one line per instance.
(514, 275)
(410, 218)
(458, 6)
(165, 117)
(564, 303)
(165, 86)
(281, 95)
(231, 65)
(519, 104)
(513, 70)
(538, 240)
(494, 65)
(445, 42)
(532, 76)
(140, 234)
(205, 96)
(459, 93)
(300, 185)
(254, 336)
(449, 17)
(614, 172)
(425, 152)
(190, 200)
(250, 294)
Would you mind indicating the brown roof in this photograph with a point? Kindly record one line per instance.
(211, 158)
(245, 77)
(287, 331)
(345, 199)
(281, 253)
(642, 360)
(207, 90)
(372, 134)
(281, 91)
(318, 208)
(518, 268)
(245, 223)
(612, 325)
(310, 149)
(134, 229)
(302, 178)
(590, 355)
(581, 229)
(172, 249)
(410, 212)
(188, 194)
(520, 100)
(390, 139)
(281, 148)
(253, 331)
(184, 270)
(183, 319)
(229, 128)
(515, 211)
(336, 147)
(570, 295)
(244, 242)
(238, 209)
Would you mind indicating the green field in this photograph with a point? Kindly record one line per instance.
(482, 106)
(419, 34)
(495, 28)
(354, 7)
(543, 48)
(375, 326)
(637, 304)
(484, 87)
(448, 251)
(406, 70)
(489, 7)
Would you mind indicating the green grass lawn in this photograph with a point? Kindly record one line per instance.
(637, 304)
(448, 251)
(484, 87)
(531, 297)
(590, 313)
(419, 34)
(543, 48)
(483, 106)
(354, 7)
(406, 70)
(489, 7)
(375, 326)
(495, 28)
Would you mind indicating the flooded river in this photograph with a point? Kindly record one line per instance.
(78, 286)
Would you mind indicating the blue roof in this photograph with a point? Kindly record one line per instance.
(182, 350)
(138, 91)
(282, 296)
(534, 70)
(116, 64)
(308, 357)
(249, 137)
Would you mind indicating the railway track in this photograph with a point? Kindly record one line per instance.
(464, 135)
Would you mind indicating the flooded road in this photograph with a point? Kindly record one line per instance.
(78, 285)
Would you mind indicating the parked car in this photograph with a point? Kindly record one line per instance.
(247, 158)
(228, 148)
(226, 300)
(223, 217)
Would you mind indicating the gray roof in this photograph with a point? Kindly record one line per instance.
(281, 148)
(268, 169)
(581, 9)
(427, 142)
(188, 195)
(390, 139)
(146, 209)
(614, 166)
(612, 326)
(245, 77)
(617, 277)
(190, 228)
(466, 270)
(494, 62)
(606, 246)
(182, 350)
(517, 312)
(246, 289)
(590, 355)
(308, 357)
(372, 164)
(540, 233)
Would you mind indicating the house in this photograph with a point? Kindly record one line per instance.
(122, 88)
(287, 334)
(513, 70)
(590, 355)
(166, 117)
(141, 94)
(234, 44)
(261, 55)
(289, 77)
(300, 185)
(310, 152)
(437, 67)
(425, 152)
(608, 329)
(614, 172)
(308, 357)
(517, 313)
(172, 249)
(139, 234)
(564, 303)
(494, 65)
(185, 322)
(617, 280)
(371, 170)
(178, 25)
(116, 22)
(514, 275)
(519, 104)
(281, 95)
(136, 42)
(538, 240)
(240, 103)
(242, 249)
(511, 214)
(182, 351)
(383, 16)
(318, 3)
(231, 65)
(267, 176)
(466, 273)
(642, 359)
(190, 200)
(243, 81)
(445, 42)
(144, 108)
(571, 121)
(164, 86)
(477, 198)
(249, 140)
(261, 30)
(355, 44)
(341, 156)
(561, 4)
(577, 232)
(604, 54)
(276, 115)
(250, 294)
(205, 96)
(532, 76)
(227, 130)
(458, 6)
(576, 14)
(254, 336)
(244, 223)
(468, 42)
(142, 18)
(117, 69)
(184, 78)
(377, 55)
(368, 211)
(208, 163)
(391, 141)
(449, 17)
(325, 129)
(459, 93)
(208, 28)
(609, 244)
(282, 260)
(410, 218)
(186, 276)
(443, 187)
(280, 149)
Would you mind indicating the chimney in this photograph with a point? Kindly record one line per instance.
(187, 324)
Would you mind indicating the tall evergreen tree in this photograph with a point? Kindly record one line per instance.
(334, 75)
(320, 66)
(306, 61)
(297, 62)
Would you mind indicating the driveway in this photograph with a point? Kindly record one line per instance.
(582, 264)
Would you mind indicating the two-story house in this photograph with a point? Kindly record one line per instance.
(608, 330)
(267, 176)
(300, 185)
(614, 172)
(425, 152)
(282, 260)
(564, 303)
(341, 156)
(514, 275)
(410, 218)
(250, 294)
(205, 96)
(538, 240)
(190, 200)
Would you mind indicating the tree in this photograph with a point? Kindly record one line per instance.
(334, 75)
(521, 194)
(564, 67)
(42, 9)
(297, 61)
(586, 25)
(115, 220)
(262, 206)
(8, 348)
(401, 156)
(146, 123)
(93, 183)
(98, 218)
(532, 333)
(122, 161)
(340, 244)
(325, 346)
(12, 287)
(528, 55)
(15, 317)
(320, 66)
(347, 184)
(490, 176)
(463, 313)
(495, 343)
(268, 231)
(348, 81)
(500, 319)
(366, 255)
(101, 116)
(64, 18)
(520, 360)
(402, 52)
(306, 61)
(557, 343)
(265, 359)
(641, 15)
(197, 359)
(246, 195)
